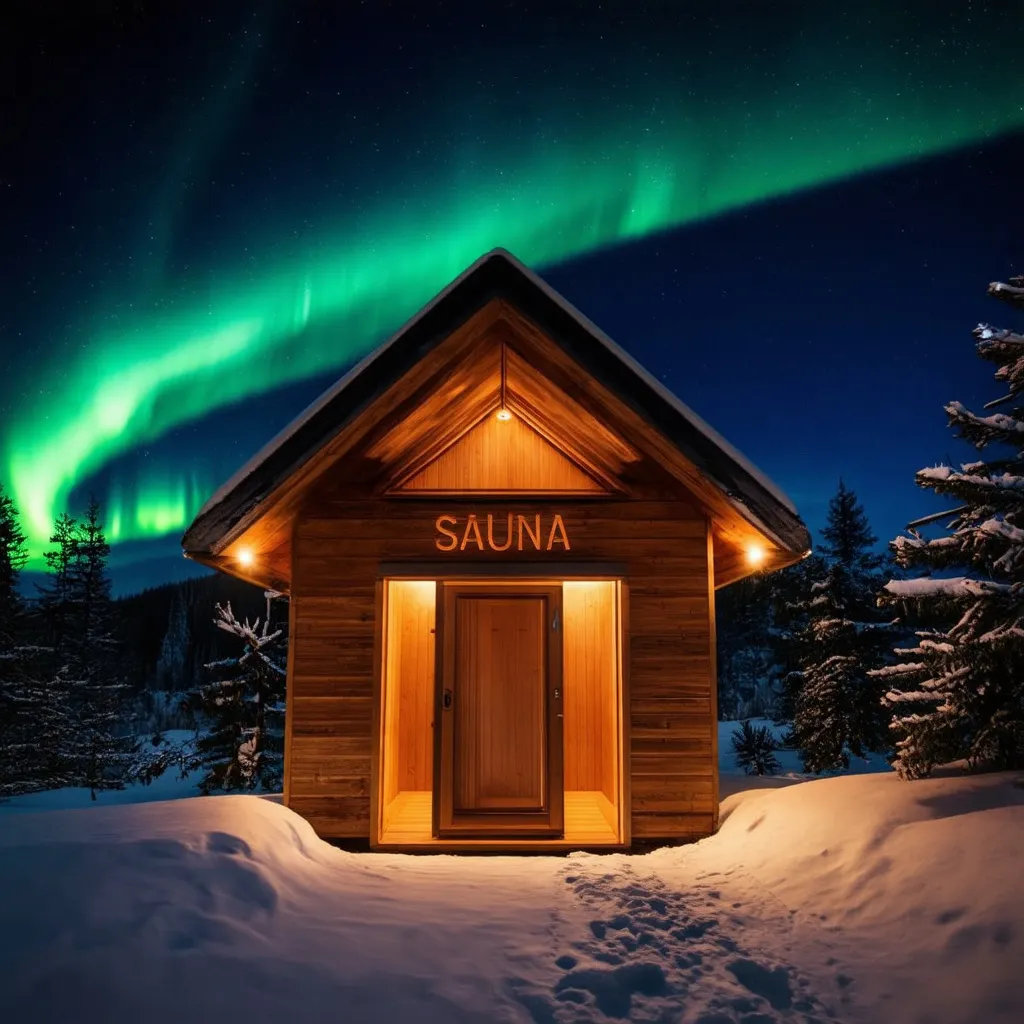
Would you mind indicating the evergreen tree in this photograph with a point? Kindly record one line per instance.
(959, 692)
(53, 733)
(789, 615)
(762, 619)
(13, 556)
(86, 736)
(838, 710)
(240, 741)
(172, 665)
(745, 661)
(22, 768)
(847, 536)
(754, 747)
(55, 594)
(104, 747)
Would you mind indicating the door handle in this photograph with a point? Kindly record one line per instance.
(554, 620)
(446, 700)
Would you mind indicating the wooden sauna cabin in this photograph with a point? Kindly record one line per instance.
(501, 539)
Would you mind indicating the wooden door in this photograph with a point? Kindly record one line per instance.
(499, 705)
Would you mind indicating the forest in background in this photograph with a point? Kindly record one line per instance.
(917, 653)
(169, 634)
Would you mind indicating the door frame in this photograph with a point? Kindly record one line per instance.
(549, 823)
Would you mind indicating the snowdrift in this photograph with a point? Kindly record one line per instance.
(913, 890)
(859, 898)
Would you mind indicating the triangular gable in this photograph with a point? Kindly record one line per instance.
(500, 455)
(579, 361)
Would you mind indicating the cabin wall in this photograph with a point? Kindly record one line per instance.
(662, 548)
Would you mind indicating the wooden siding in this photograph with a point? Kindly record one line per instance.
(502, 456)
(338, 549)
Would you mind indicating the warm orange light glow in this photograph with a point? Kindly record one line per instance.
(584, 585)
(504, 414)
(245, 557)
(755, 554)
(415, 592)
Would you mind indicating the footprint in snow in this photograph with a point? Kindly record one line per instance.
(652, 953)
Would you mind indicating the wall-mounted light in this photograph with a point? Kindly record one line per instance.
(245, 558)
(755, 554)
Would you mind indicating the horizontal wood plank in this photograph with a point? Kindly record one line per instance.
(332, 684)
(673, 704)
(681, 826)
(666, 743)
(660, 763)
(333, 716)
(668, 613)
(672, 793)
(335, 817)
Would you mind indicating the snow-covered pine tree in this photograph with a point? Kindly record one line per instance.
(240, 735)
(838, 710)
(105, 746)
(959, 693)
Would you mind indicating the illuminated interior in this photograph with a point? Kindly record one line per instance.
(592, 739)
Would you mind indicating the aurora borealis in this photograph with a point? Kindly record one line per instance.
(551, 144)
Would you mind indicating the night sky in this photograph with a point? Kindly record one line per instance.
(788, 212)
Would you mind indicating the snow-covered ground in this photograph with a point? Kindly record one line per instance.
(858, 898)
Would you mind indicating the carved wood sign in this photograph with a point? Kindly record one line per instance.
(511, 532)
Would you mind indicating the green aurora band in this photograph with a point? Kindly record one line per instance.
(550, 188)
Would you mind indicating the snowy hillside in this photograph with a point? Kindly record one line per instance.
(859, 898)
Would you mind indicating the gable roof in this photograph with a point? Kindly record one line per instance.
(499, 275)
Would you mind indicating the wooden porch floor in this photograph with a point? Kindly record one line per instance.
(589, 818)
